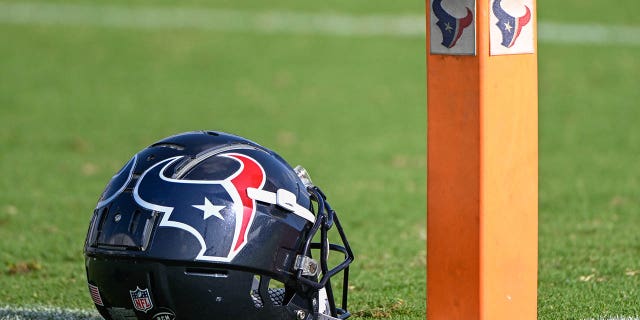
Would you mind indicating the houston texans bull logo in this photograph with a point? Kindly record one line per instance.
(185, 200)
(510, 26)
(451, 27)
(218, 213)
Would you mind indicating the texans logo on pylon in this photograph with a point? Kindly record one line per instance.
(184, 201)
(510, 26)
(451, 27)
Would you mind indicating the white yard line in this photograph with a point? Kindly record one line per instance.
(46, 313)
(589, 34)
(615, 318)
(278, 22)
(154, 17)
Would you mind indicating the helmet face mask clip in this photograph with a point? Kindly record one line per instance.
(211, 225)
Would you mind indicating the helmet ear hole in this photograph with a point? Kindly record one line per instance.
(267, 290)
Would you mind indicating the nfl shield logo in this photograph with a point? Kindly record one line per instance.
(141, 299)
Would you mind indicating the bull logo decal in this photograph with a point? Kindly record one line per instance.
(221, 227)
(451, 27)
(509, 25)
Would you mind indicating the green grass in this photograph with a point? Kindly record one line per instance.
(621, 12)
(77, 102)
(589, 182)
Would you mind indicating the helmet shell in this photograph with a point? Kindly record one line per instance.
(175, 234)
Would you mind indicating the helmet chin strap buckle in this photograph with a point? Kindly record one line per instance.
(308, 266)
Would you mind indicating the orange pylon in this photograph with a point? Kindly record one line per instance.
(482, 167)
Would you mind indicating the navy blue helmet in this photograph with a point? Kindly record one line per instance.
(209, 225)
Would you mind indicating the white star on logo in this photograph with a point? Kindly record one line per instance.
(209, 209)
(448, 27)
(507, 26)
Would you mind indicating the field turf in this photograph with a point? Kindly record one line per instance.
(77, 101)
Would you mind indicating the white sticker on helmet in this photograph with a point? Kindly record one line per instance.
(282, 198)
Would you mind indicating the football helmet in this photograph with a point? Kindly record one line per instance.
(209, 225)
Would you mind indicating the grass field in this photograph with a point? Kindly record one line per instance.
(76, 101)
